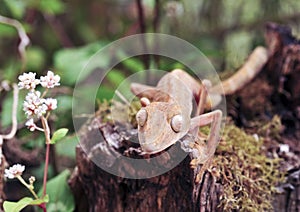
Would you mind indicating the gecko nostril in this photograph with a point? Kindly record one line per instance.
(141, 117)
(176, 123)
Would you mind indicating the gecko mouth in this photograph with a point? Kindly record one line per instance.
(157, 145)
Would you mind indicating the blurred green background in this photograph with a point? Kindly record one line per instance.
(65, 33)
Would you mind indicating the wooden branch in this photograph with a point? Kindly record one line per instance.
(142, 24)
(22, 34)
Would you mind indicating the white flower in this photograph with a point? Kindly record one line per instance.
(34, 105)
(28, 81)
(31, 180)
(51, 103)
(14, 171)
(50, 80)
(31, 125)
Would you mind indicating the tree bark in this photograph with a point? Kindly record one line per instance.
(97, 190)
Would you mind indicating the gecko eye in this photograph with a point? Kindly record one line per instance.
(176, 123)
(144, 101)
(141, 117)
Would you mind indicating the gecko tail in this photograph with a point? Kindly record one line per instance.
(254, 64)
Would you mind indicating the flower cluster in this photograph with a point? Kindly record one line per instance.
(50, 81)
(14, 171)
(29, 82)
(35, 105)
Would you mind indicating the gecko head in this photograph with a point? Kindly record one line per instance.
(160, 124)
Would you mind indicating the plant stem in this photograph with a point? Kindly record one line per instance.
(46, 168)
(30, 187)
(47, 136)
(43, 206)
(44, 93)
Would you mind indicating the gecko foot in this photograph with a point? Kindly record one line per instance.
(205, 166)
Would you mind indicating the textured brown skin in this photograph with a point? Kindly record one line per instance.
(96, 190)
(170, 97)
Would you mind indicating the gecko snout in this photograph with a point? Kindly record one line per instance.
(141, 117)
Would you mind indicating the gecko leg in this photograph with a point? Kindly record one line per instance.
(203, 94)
(199, 91)
(141, 90)
(207, 150)
(202, 101)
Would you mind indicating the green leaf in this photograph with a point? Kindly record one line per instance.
(58, 135)
(132, 64)
(115, 77)
(105, 93)
(17, 7)
(70, 62)
(10, 67)
(53, 7)
(35, 58)
(61, 197)
(65, 102)
(22, 203)
(67, 146)
(7, 110)
(6, 30)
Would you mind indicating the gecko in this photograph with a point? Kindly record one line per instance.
(165, 115)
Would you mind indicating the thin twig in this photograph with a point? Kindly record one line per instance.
(122, 97)
(8, 136)
(155, 26)
(156, 18)
(13, 114)
(142, 23)
(141, 15)
(14, 127)
(22, 34)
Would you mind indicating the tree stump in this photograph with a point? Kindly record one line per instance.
(97, 190)
(283, 71)
(176, 190)
(279, 93)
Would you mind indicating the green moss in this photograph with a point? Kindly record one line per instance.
(248, 176)
(240, 164)
(111, 111)
(271, 129)
(104, 110)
